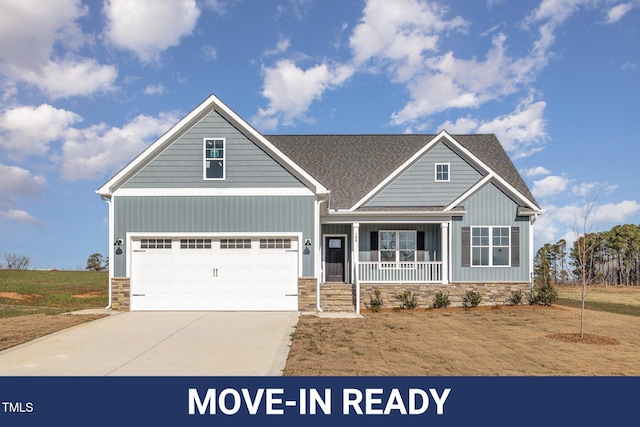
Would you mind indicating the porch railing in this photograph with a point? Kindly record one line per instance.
(418, 272)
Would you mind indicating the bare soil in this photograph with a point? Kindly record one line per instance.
(482, 341)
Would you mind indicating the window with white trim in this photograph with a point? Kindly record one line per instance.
(214, 158)
(397, 246)
(442, 172)
(490, 246)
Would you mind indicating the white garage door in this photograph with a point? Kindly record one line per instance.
(227, 273)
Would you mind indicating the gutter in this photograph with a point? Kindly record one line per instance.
(111, 253)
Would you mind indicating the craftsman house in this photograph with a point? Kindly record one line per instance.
(217, 216)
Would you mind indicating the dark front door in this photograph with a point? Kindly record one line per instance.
(334, 259)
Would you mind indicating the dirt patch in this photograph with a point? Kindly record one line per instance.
(585, 339)
(18, 330)
(14, 296)
(481, 341)
(89, 295)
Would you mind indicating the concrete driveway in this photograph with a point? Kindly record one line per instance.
(160, 344)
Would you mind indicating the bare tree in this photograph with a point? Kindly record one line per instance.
(584, 251)
(17, 261)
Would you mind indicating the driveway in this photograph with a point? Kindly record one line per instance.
(160, 344)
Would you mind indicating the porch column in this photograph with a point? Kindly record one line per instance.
(355, 260)
(444, 228)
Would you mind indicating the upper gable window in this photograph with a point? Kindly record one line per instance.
(214, 160)
(442, 172)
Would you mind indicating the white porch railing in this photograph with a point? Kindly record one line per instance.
(417, 272)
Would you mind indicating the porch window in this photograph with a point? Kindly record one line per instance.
(490, 246)
(397, 246)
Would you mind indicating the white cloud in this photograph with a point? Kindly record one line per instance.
(156, 89)
(148, 27)
(93, 152)
(463, 125)
(291, 90)
(281, 47)
(73, 78)
(28, 130)
(537, 171)
(617, 12)
(210, 53)
(18, 183)
(616, 212)
(549, 186)
(20, 216)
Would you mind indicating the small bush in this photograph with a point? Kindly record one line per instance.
(546, 295)
(408, 300)
(515, 298)
(375, 301)
(471, 299)
(441, 300)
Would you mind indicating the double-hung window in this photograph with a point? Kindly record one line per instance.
(490, 246)
(397, 246)
(442, 172)
(214, 160)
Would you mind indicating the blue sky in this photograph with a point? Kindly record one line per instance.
(87, 85)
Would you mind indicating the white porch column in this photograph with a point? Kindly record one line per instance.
(355, 260)
(444, 228)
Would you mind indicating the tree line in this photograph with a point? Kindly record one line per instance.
(612, 258)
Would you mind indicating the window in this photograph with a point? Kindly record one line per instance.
(235, 243)
(397, 246)
(490, 246)
(195, 244)
(214, 158)
(275, 243)
(155, 244)
(442, 172)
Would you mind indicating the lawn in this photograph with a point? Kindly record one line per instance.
(27, 292)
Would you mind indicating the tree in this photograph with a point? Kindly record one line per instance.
(95, 262)
(17, 261)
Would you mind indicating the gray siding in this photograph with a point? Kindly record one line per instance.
(490, 207)
(214, 214)
(417, 185)
(181, 164)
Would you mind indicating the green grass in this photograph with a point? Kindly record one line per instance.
(610, 307)
(51, 292)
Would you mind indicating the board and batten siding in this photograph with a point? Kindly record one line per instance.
(417, 186)
(225, 214)
(181, 164)
(490, 207)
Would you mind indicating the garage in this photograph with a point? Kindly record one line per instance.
(230, 273)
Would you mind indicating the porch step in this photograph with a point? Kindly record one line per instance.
(336, 297)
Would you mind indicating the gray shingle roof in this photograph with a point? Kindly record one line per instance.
(350, 166)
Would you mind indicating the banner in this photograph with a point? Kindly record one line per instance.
(317, 401)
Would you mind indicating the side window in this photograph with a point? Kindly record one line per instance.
(214, 158)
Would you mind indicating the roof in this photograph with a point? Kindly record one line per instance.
(350, 166)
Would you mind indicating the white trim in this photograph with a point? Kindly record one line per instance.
(212, 191)
(478, 185)
(212, 103)
(491, 246)
(205, 159)
(435, 172)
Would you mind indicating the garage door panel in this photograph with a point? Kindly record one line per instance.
(229, 274)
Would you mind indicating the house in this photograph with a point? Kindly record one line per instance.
(215, 215)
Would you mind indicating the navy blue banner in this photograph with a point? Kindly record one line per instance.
(317, 401)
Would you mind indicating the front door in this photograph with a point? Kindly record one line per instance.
(334, 259)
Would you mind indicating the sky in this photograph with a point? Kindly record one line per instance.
(87, 85)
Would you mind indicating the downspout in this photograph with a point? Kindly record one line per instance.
(322, 199)
(532, 220)
(111, 243)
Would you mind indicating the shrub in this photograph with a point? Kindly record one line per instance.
(471, 299)
(515, 298)
(375, 301)
(546, 295)
(441, 300)
(408, 300)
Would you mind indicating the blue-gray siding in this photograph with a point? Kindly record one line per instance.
(233, 214)
(181, 164)
(417, 185)
(490, 207)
